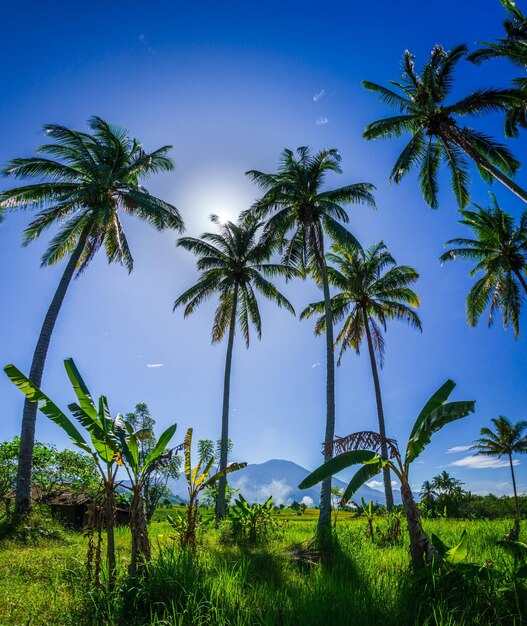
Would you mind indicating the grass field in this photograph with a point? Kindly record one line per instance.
(365, 583)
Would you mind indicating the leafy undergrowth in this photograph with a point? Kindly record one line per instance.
(225, 584)
(33, 529)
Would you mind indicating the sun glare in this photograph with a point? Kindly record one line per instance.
(224, 215)
(221, 192)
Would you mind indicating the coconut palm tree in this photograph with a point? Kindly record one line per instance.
(428, 495)
(514, 49)
(365, 449)
(83, 182)
(507, 439)
(233, 263)
(436, 133)
(500, 250)
(299, 213)
(445, 483)
(371, 289)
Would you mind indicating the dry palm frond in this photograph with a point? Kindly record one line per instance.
(363, 440)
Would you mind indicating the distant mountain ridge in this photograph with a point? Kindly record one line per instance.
(280, 478)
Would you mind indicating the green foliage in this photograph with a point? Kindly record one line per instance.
(367, 510)
(234, 263)
(337, 464)
(76, 190)
(453, 580)
(180, 524)
(370, 289)
(241, 585)
(436, 135)
(513, 48)
(198, 479)
(166, 467)
(35, 529)
(298, 210)
(507, 439)
(251, 522)
(53, 470)
(499, 249)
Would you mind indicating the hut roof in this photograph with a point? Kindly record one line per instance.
(59, 497)
(68, 498)
(36, 494)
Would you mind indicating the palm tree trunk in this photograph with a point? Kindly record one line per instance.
(516, 529)
(324, 520)
(29, 417)
(224, 444)
(457, 139)
(380, 414)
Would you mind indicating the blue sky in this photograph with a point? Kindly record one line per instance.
(229, 85)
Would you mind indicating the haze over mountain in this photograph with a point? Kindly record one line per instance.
(280, 478)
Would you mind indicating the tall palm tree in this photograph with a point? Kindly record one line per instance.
(436, 134)
(507, 439)
(83, 182)
(371, 289)
(513, 48)
(233, 263)
(428, 495)
(500, 249)
(299, 213)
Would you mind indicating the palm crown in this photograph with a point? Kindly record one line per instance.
(427, 492)
(436, 134)
(233, 263)
(301, 209)
(500, 250)
(446, 483)
(83, 181)
(508, 439)
(514, 49)
(372, 289)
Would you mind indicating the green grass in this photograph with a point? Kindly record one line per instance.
(227, 584)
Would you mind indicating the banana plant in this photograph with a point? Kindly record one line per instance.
(365, 449)
(138, 470)
(367, 509)
(104, 447)
(199, 479)
(249, 519)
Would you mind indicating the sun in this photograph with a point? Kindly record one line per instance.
(224, 215)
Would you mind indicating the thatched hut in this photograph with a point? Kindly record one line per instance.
(69, 507)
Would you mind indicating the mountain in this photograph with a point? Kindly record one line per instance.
(280, 479)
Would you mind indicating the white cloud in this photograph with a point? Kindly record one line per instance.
(319, 95)
(315, 365)
(481, 462)
(457, 449)
(309, 502)
(322, 121)
(377, 484)
(154, 365)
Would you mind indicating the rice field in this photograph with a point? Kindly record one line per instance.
(367, 583)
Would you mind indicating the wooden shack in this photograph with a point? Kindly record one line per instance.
(68, 507)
